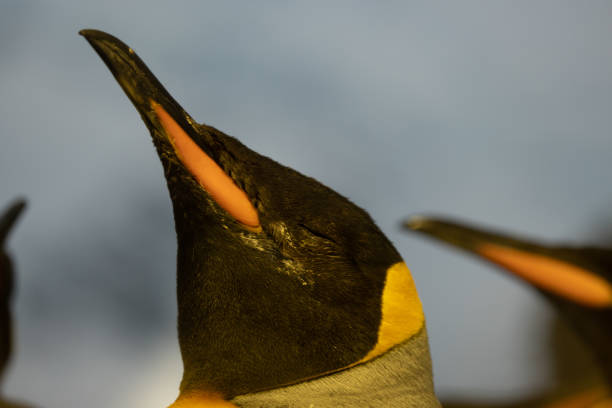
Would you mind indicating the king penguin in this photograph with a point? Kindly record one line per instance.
(288, 294)
(576, 280)
(7, 221)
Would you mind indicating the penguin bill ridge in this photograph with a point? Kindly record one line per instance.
(288, 294)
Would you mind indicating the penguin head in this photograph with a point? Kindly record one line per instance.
(7, 221)
(576, 280)
(279, 278)
(580, 276)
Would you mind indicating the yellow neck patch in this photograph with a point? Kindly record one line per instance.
(402, 313)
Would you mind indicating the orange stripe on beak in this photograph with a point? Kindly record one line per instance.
(551, 275)
(208, 173)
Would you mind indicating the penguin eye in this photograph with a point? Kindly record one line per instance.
(207, 172)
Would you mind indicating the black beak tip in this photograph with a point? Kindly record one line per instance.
(10, 216)
(104, 42)
(19, 204)
(16, 207)
(91, 34)
(416, 223)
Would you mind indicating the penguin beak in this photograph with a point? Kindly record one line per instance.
(9, 218)
(176, 135)
(139, 84)
(7, 221)
(538, 265)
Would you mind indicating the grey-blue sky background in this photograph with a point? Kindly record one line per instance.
(494, 112)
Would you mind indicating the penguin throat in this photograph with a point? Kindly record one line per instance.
(400, 377)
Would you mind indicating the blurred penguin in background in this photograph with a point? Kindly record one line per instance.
(7, 278)
(578, 283)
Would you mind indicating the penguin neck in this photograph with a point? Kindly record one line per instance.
(400, 377)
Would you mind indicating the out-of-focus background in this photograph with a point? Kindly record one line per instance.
(492, 112)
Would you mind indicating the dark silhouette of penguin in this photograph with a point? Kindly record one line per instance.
(7, 221)
(577, 280)
(288, 294)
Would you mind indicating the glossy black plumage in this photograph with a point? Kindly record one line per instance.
(258, 310)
